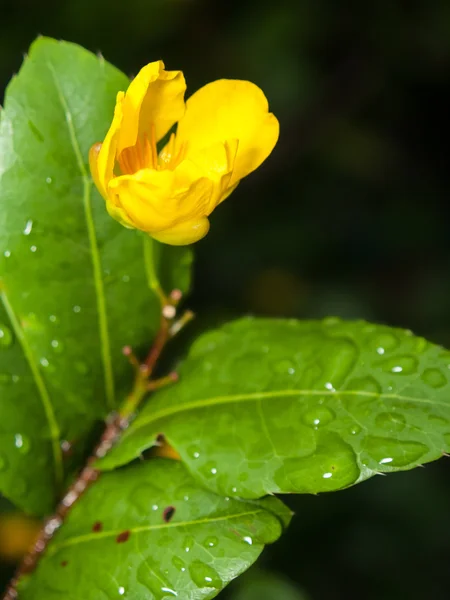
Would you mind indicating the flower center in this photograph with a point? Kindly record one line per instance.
(144, 155)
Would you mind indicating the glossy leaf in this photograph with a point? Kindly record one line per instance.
(117, 541)
(287, 406)
(75, 286)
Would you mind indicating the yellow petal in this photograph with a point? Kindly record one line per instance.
(93, 165)
(215, 163)
(102, 156)
(119, 214)
(158, 200)
(184, 233)
(155, 98)
(230, 109)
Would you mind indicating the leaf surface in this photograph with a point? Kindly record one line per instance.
(116, 541)
(266, 406)
(75, 286)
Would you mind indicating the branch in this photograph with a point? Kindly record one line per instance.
(116, 423)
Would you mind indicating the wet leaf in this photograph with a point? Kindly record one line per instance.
(288, 406)
(75, 286)
(116, 541)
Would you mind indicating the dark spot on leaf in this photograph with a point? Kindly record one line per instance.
(64, 563)
(160, 439)
(123, 537)
(97, 526)
(168, 513)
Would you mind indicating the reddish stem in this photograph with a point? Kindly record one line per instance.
(111, 434)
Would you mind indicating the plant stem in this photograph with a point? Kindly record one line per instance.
(115, 425)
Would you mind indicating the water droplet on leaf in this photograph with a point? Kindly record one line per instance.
(57, 346)
(188, 543)
(318, 417)
(209, 469)
(169, 591)
(6, 336)
(178, 564)
(364, 384)
(204, 575)
(390, 421)
(355, 429)
(387, 341)
(434, 378)
(284, 367)
(28, 227)
(400, 453)
(403, 365)
(22, 443)
(194, 451)
(439, 421)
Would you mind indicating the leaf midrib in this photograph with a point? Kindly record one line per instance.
(88, 537)
(105, 345)
(256, 396)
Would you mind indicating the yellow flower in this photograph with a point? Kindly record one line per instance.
(224, 133)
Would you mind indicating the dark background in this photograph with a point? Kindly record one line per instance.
(349, 216)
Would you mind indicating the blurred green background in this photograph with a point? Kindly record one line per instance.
(349, 216)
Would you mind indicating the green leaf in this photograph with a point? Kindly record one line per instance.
(75, 285)
(267, 406)
(117, 537)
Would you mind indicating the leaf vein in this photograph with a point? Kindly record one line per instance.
(105, 346)
(88, 537)
(257, 396)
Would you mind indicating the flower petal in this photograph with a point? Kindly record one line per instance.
(184, 233)
(155, 98)
(158, 200)
(102, 156)
(230, 109)
(216, 163)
